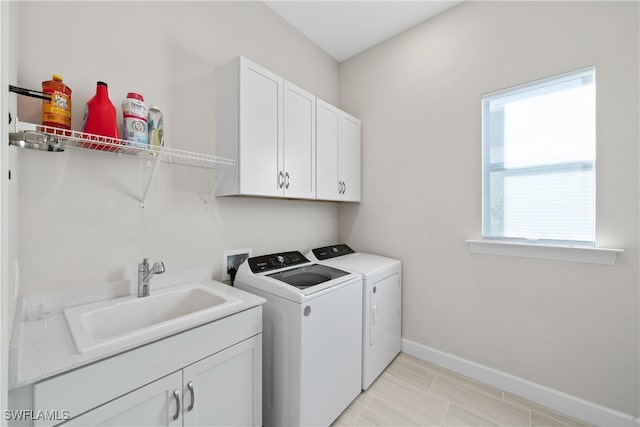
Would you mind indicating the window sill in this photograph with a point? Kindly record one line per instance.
(558, 253)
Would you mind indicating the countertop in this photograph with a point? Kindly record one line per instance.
(42, 345)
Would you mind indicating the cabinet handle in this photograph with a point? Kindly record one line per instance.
(339, 187)
(176, 395)
(280, 179)
(193, 396)
(344, 187)
(286, 180)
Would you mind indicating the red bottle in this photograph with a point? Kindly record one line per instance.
(100, 117)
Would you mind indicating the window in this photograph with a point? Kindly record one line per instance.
(538, 143)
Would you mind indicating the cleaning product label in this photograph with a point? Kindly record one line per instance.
(135, 121)
(58, 110)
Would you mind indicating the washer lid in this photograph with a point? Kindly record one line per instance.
(371, 267)
(273, 279)
(308, 275)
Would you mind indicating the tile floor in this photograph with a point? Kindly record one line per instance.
(412, 392)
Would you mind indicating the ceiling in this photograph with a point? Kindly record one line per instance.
(346, 28)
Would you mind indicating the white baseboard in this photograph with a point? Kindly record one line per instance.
(564, 403)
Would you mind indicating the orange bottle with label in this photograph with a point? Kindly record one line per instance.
(57, 112)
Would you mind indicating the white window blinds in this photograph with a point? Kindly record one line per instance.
(538, 145)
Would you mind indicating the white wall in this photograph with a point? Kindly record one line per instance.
(80, 216)
(569, 326)
(8, 227)
(5, 308)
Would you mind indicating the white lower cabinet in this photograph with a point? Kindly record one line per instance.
(221, 390)
(210, 375)
(152, 405)
(225, 389)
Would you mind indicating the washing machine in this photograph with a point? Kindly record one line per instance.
(382, 304)
(312, 330)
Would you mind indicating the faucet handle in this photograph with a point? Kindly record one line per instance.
(144, 265)
(158, 267)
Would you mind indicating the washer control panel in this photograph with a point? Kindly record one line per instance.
(275, 261)
(332, 251)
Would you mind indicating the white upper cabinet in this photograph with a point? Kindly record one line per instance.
(273, 129)
(299, 166)
(260, 129)
(338, 154)
(350, 158)
(249, 128)
(268, 124)
(328, 146)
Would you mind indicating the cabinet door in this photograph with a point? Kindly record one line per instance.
(225, 389)
(349, 160)
(152, 405)
(260, 155)
(299, 143)
(327, 146)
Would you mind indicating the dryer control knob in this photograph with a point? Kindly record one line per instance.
(307, 311)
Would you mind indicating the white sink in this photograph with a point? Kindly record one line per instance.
(130, 318)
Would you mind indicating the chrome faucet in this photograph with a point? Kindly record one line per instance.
(145, 274)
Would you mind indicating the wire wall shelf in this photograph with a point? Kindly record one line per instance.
(58, 139)
(75, 139)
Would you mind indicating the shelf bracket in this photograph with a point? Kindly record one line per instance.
(153, 172)
(215, 185)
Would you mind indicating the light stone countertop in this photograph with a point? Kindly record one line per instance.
(42, 345)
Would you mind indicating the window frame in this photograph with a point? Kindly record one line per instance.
(498, 168)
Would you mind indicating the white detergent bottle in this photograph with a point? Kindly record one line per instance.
(135, 119)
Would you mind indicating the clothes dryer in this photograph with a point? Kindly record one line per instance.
(382, 304)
